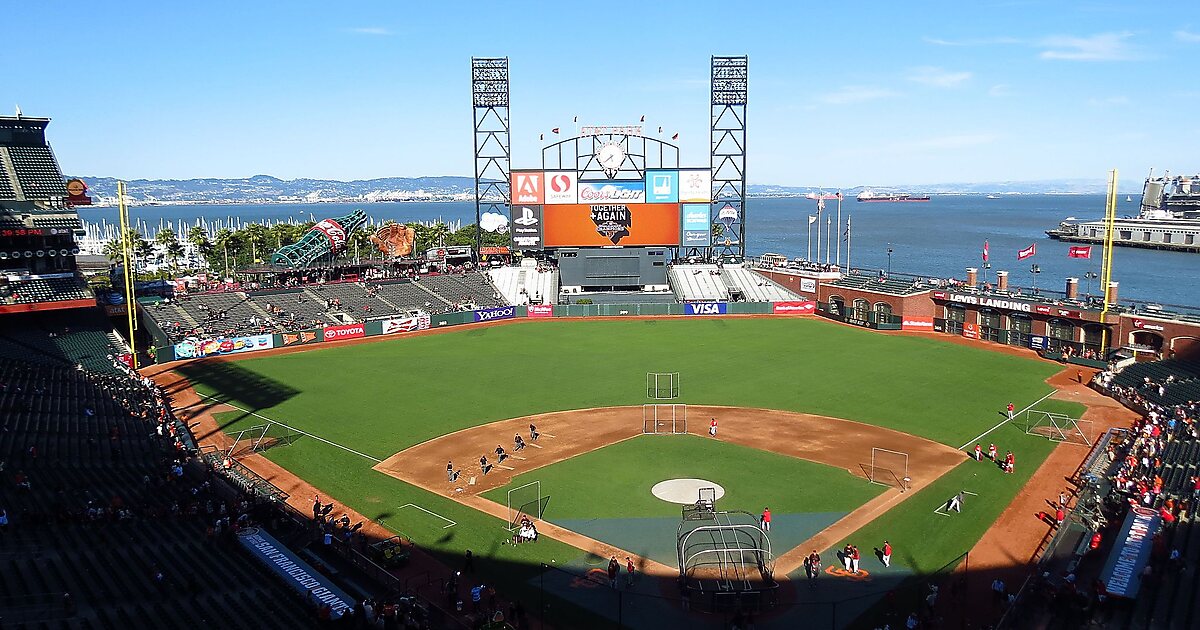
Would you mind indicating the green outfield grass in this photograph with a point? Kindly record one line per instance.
(615, 481)
(382, 397)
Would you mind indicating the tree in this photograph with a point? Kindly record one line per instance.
(174, 252)
(224, 239)
(198, 237)
(257, 235)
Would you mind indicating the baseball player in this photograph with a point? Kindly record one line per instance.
(978, 453)
(887, 554)
(847, 551)
(1009, 462)
(1010, 411)
(500, 454)
(483, 464)
(629, 572)
(533, 434)
(956, 503)
(712, 427)
(613, 569)
(450, 471)
(813, 564)
(765, 520)
(854, 557)
(518, 442)
(992, 452)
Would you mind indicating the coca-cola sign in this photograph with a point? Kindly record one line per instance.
(333, 231)
(610, 192)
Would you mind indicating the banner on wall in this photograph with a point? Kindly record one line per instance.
(301, 337)
(697, 227)
(1122, 573)
(804, 307)
(705, 308)
(405, 324)
(916, 322)
(492, 314)
(295, 572)
(195, 348)
(539, 310)
(970, 330)
(346, 331)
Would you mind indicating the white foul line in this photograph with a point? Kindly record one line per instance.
(1015, 414)
(291, 428)
(414, 505)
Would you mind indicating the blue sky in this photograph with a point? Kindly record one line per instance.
(841, 93)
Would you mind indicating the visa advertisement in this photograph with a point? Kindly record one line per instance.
(705, 308)
(608, 224)
(697, 230)
(662, 186)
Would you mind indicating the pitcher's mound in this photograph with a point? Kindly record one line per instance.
(684, 491)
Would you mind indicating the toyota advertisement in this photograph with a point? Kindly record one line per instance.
(608, 224)
(347, 331)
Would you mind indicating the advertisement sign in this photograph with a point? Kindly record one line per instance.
(806, 307)
(695, 186)
(539, 310)
(561, 187)
(808, 285)
(492, 314)
(345, 331)
(528, 187)
(301, 337)
(294, 571)
(1038, 342)
(971, 330)
(605, 225)
(526, 229)
(1006, 304)
(612, 192)
(1141, 324)
(194, 348)
(697, 231)
(1122, 572)
(405, 324)
(705, 308)
(916, 322)
(662, 186)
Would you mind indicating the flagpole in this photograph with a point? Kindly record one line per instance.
(820, 204)
(847, 243)
(828, 236)
(809, 256)
(838, 258)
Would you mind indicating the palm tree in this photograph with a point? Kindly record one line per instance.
(198, 237)
(174, 251)
(112, 250)
(438, 233)
(223, 239)
(258, 236)
(359, 239)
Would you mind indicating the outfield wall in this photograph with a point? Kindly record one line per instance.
(197, 347)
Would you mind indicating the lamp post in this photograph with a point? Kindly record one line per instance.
(986, 266)
(889, 252)
(1034, 270)
(1091, 275)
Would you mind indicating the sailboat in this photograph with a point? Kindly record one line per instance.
(1128, 199)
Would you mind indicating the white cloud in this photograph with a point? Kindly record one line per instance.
(936, 77)
(1099, 47)
(1188, 36)
(855, 94)
(998, 90)
(984, 41)
(369, 30)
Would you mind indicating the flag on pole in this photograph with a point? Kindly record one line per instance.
(1028, 252)
(576, 119)
(675, 137)
(839, 194)
(1080, 252)
(541, 136)
(811, 219)
(985, 250)
(660, 130)
(643, 119)
(554, 130)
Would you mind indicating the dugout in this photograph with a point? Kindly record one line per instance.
(585, 270)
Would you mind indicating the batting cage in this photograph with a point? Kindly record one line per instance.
(725, 559)
(524, 502)
(888, 468)
(262, 437)
(662, 385)
(664, 419)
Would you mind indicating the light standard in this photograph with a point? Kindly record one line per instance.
(889, 273)
(1034, 270)
(1091, 275)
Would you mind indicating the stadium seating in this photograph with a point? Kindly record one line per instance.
(82, 337)
(47, 290)
(754, 287)
(37, 172)
(463, 291)
(407, 295)
(522, 285)
(698, 283)
(879, 284)
(354, 300)
(6, 187)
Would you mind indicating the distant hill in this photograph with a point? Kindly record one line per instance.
(268, 189)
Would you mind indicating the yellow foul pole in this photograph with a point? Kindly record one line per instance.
(127, 257)
(1110, 217)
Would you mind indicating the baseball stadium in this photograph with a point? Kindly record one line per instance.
(626, 421)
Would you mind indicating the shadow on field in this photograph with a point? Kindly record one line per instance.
(234, 385)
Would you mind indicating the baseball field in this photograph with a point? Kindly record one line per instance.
(382, 419)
